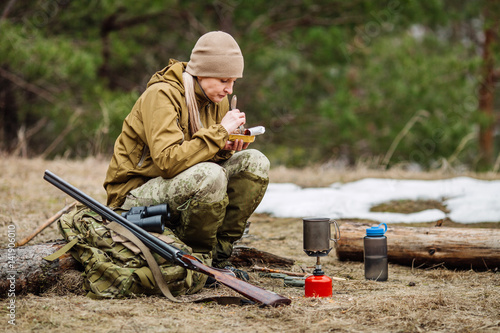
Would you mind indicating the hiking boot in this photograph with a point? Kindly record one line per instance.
(240, 274)
(227, 265)
(211, 283)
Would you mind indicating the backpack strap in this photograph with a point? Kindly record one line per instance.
(153, 265)
(62, 250)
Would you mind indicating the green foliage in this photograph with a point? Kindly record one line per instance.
(61, 85)
(390, 79)
(403, 75)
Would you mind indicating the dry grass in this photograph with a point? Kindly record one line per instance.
(413, 300)
(409, 206)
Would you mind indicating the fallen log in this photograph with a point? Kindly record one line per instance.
(247, 256)
(463, 248)
(23, 269)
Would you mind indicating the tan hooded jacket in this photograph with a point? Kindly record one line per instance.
(155, 139)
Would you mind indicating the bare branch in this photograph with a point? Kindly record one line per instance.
(23, 136)
(6, 10)
(19, 81)
(63, 133)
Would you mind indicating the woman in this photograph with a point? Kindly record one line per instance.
(174, 149)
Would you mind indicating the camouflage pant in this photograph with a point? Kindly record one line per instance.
(211, 202)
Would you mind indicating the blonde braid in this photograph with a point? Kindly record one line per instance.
(194, 113)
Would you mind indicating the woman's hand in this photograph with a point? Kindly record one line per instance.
(232, 120)
(236, 145)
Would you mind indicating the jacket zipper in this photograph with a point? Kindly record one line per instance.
(143, 157)
(179, 125)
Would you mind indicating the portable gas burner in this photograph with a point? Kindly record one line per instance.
(317, 237)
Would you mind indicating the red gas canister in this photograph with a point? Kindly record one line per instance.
(318, 285)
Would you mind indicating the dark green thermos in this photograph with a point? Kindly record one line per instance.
(375, 253)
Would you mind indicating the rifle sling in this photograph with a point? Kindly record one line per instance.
(153, 265)
(155, 269)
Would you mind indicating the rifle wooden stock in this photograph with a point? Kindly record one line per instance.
(246, 289)
(168, 251)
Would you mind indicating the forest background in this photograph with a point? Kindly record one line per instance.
(384, 83)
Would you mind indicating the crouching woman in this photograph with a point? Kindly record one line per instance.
(174, 149)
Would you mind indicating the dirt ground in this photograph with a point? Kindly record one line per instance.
(412, 300)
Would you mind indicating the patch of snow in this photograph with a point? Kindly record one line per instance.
(469, 200)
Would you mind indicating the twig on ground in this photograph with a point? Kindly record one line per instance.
(46, 224)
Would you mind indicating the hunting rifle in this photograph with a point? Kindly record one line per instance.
(168, 251)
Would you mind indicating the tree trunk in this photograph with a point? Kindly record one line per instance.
(464, 248)
(487, 88)
(8, 113)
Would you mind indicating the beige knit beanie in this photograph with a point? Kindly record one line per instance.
(216, 54)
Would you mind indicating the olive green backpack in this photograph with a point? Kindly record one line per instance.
(115, 267)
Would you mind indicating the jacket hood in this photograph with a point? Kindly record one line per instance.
(171, 74)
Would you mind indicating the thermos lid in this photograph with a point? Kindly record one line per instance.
(377, 231)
